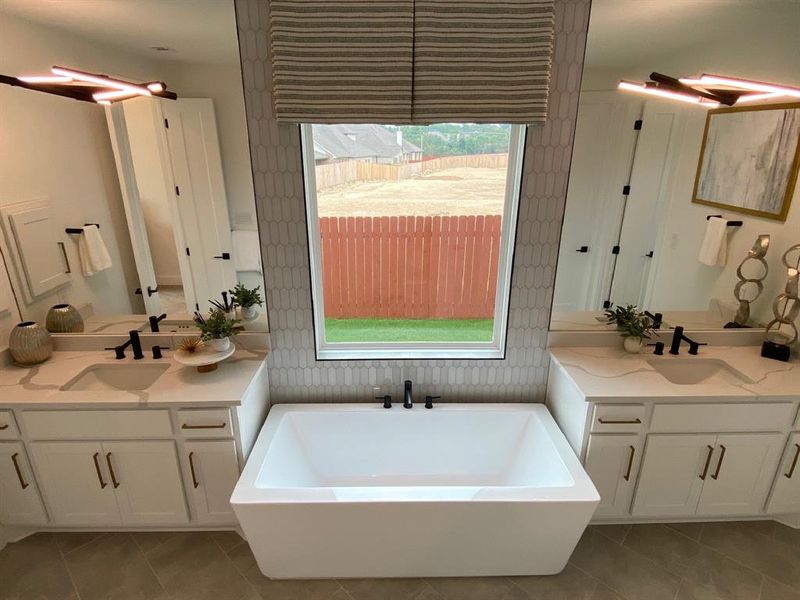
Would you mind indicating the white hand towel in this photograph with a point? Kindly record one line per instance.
(714, 249)
(246, 251)
(92, 251)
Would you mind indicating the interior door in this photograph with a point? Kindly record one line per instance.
(786, 493)
(115, 117)
(214, 470)
(147, 481)
(612, 463)
(75, 483)
(202, 204)
(673, 471)
(20, 503)
(741, 474)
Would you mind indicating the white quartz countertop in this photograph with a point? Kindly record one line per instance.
(40, 385)
(609, 373)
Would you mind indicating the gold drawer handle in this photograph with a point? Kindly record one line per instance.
(715, 476)
(214, 426)
(627, 476)
(22, 481)
(4, 426)
(708, 462)
(103, 484)
(111, 471)
(636, 421)
(195, 483)
(794, 462)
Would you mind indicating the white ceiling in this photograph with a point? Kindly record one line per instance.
(195, 30)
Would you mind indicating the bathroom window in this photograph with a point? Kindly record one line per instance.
(411, 237)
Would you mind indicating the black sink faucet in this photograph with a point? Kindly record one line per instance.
(154, 322)
(135, 343)
(407, 399)
(678, 337)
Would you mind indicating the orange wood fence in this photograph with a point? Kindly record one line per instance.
(410, 267)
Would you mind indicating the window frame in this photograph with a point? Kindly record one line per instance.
(493, 350)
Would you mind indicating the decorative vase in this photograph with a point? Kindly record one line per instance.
(29, 343)
(220, 344)
(632, 345)
(64, 318)
(249, 312)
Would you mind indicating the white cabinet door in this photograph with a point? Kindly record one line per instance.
(786, 493)
(147, 481)
(76, 486)
(20, 503)
(740, 474)
(612, 463)
(673, 471)
(214, 471)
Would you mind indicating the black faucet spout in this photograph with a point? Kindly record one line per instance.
(154, 322)
(408, 401)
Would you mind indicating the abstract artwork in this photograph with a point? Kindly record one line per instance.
(749, 159)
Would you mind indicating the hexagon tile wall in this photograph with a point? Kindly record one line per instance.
(295, 374)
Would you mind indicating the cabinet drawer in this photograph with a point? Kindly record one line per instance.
(8, 427)
(205, 422)
(96, 424)
(721, 417)
(618, 418)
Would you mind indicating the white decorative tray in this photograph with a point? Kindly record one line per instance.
(205, 360)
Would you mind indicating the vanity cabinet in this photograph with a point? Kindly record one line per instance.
(213, 472)
(20, 503)
(612, 463)
(786, 492)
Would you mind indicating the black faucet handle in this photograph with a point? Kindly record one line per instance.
(157, 351)
(695, 346)
(119, 351)
(387, 400)
(659, 348)
(429, 401)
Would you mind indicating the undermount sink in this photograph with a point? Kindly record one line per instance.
(125, 377)
(691, 371)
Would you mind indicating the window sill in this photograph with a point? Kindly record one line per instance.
(411, 352)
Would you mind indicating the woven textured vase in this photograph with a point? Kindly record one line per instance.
(30, 343)
(64, 318)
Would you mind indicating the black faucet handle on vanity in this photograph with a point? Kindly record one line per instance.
(678, 337)
(387, 400)
(408, 401)
(429, 401)
(695, 346)
(659, 348)
(119, 351)
(157, 351)
(154, 322)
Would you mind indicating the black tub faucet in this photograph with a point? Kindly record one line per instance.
(408, 402)
(154, 322)
(678, 337)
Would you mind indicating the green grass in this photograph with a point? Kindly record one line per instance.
(408, 330)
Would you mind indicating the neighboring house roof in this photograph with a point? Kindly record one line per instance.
(358, 141)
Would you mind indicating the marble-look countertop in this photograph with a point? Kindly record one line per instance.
(179, 385)
(609, 373)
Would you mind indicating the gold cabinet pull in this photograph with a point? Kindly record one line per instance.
(794, 462)
(4, 426)
(111, 471)
(214, 426)
(715, 476)
(708, 462)
(103, 484)
(22, 481)
(636, 421)
(627, 476)
(195, 483)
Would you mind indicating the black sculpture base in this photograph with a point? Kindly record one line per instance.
(775, 351)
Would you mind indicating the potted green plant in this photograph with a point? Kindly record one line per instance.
(216, 329)
(228, 305)
(248, 299)
(634, 331)
(620, 315)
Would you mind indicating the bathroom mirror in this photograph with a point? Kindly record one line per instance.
(632, 233)
(164, 185)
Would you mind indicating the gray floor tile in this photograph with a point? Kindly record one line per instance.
(752, 544)
(227, 540)
(615, 533)
(192, 566)
(147, 540)
(477, 588)
(691, 530)
(113, 566)
(704, 570)
(570, 584)
(72, 540)
(624, 570)
(787, 535)
(772, 590)
(32, 569)
(379, 589)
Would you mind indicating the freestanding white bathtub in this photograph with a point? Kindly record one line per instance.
(460, 490)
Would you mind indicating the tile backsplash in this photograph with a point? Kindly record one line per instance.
(295, 374)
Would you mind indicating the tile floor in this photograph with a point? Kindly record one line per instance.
(713, 561)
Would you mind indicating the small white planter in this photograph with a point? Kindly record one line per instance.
(249, 313)
(220, 344)
(632, 344)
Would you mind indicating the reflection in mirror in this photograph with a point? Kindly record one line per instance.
(134, 209)
(635, 230)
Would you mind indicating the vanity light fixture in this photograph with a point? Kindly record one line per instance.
(88, 87)
(742, 85)
(654, 90)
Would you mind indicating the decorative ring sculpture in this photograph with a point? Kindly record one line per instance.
(787, 314)
(757, 254)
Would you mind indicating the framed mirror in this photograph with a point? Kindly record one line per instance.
(632, 234)
(135, 211)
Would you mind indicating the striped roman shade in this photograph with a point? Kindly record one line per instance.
(342, 61)
(411, 61)
(482, 61)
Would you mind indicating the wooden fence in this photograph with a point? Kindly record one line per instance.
(340, 173)
(410, 267)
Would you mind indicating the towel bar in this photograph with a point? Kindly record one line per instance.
(73, 230)
(730, 223)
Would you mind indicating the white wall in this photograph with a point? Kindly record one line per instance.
(59, 148)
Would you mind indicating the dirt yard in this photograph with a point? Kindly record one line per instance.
(459, 191)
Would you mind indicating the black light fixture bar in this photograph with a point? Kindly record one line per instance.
(728, 98)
